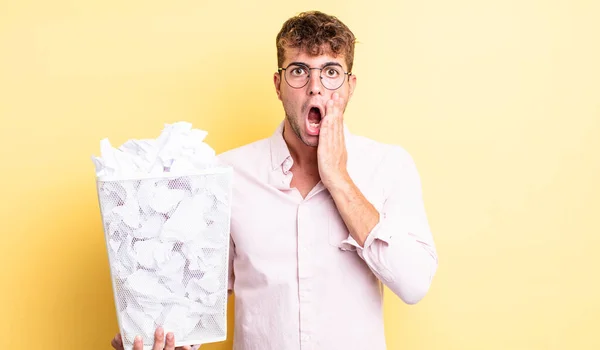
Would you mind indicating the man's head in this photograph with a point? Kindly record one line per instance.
(314, 32)
(307, 41)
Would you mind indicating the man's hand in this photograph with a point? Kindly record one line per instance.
(359, 215)
(159, 342)
(331, 153)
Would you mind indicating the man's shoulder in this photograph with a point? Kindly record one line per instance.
(379, 151)
(245, 154)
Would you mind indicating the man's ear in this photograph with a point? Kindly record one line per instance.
(277, 82)
(351, 85)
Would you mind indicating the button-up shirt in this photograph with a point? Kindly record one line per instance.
(300, 281)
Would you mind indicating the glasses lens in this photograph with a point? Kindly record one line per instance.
(296, 75)
(332, 77)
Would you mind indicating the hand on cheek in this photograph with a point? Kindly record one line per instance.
(331, 152)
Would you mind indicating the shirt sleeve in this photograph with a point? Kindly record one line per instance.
(400, 249)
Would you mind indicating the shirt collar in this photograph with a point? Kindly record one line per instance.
(279, 149)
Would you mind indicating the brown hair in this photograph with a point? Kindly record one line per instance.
(310, 31)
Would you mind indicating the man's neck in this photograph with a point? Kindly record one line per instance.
(304, 156)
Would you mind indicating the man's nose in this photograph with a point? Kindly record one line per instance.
(314, 83)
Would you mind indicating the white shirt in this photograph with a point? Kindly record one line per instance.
(300, 281)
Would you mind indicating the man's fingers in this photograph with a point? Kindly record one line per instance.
(117, 342)
(159, 339)
(159, 342)
(334, 107)
(337, 105)
(329, 108)
(138, 344)
(170, 342)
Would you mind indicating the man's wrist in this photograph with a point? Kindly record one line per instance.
(338, 183)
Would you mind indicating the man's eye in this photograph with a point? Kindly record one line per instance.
(332, 72)
(298, 71)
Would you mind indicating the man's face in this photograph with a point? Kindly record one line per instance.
(305, 107)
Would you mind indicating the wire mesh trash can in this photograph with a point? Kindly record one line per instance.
(167, 239)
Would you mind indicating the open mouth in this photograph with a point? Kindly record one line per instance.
(314, 120)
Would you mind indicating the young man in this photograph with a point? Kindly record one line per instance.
(322, 218)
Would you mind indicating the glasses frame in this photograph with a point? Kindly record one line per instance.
(310, 69)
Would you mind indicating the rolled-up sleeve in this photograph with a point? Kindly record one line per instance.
(400, 249)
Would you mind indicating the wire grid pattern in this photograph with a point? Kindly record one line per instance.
(168, 248)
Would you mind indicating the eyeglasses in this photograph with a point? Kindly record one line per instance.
(297, 75)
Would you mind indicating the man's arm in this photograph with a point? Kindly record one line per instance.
(396, 243)
(359, 215)
(231, 277)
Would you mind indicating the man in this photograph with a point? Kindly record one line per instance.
(322, 218)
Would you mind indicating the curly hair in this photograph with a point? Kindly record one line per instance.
(311, 31)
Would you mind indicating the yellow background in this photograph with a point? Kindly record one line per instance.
(498, 101)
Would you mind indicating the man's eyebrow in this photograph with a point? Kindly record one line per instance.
(298, 64)
(331, 63)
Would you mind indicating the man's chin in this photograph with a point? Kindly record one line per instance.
(310, 140)
(311, 143)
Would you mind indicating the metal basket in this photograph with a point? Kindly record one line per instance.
(167, 239)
